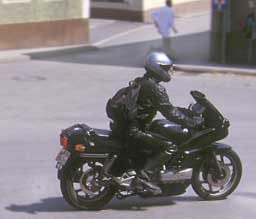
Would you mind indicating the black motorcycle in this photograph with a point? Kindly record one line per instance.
(93, 167)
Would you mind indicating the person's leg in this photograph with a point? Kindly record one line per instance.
(250, 51)
(168, 49)
(153, 164)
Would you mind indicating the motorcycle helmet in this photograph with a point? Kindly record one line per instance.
(158, 65)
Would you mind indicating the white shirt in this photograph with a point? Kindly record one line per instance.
(164, 17)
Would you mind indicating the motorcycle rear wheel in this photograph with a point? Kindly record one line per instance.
(205, 182)
(82, 190)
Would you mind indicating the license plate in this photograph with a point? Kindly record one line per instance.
(62, 158)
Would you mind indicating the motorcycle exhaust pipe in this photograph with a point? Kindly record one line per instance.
(94, 156)
(172, 176)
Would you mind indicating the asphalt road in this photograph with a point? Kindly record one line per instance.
(39, 98)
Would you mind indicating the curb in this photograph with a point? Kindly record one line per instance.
(14, 58)
(25, 55)
(60, 51)
(199, 69)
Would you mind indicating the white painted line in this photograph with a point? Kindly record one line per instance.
(119, 35)
(181, 17)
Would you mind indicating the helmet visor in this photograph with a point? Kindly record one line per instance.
(168, 68)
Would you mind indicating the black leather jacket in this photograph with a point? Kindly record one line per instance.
(152, 98)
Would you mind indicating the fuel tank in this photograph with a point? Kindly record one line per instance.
(170, 130)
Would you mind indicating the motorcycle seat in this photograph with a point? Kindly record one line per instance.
(102, 132)
(104, 138)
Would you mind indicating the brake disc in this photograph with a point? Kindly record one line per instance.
(89, 183)
(214, 181)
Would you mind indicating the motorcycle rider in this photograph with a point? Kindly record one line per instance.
(153, 98)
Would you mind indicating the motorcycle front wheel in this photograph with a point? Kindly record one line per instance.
(208, 185)
(84, 187)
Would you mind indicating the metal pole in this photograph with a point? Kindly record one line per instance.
(225, 29)
(251, 40)
(223, 38)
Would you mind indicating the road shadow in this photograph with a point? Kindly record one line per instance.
(139, 204)
(58, 204)
(190, 49)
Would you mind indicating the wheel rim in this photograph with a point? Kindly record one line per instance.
(87, 183)
(214, 186)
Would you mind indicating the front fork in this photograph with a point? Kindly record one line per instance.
(212, 157)
(215, 164)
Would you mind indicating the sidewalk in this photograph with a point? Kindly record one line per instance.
(26, 54)
(123, 38)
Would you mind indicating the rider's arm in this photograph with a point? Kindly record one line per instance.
(161, 101)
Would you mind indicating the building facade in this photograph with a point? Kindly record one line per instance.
(41, 23)
(140, 10)
(44, 23)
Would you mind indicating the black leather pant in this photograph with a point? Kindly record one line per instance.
(163, 149)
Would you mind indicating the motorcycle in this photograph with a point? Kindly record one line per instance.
(93, 167)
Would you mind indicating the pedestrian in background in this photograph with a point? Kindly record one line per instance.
(249, 29)
(164, 22)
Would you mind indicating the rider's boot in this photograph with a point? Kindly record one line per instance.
(145, 177)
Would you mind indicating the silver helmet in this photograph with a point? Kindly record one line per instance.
(158, 65)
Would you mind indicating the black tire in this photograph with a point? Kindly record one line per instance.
(81, 203)
(226, 189)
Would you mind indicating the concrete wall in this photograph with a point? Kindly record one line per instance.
(39, 23)
(127, 10)
(140, 10)
(133, 5)
(150, 4)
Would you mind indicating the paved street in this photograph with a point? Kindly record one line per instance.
(41, 97)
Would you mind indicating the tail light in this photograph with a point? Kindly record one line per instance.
(64, 141)
(80, 148)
